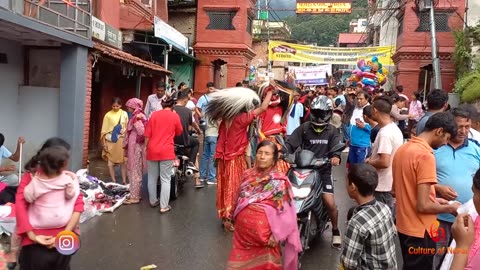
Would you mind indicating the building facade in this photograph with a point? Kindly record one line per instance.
(118, 64)
(223, 44)
(413, 55)
(44, 72)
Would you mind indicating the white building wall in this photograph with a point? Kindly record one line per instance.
(473, 18)
(11, 76)
(27, 111)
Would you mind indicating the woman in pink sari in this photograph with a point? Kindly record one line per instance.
(265, 217)
(134, 145)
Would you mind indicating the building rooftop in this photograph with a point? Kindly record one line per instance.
(351, 38)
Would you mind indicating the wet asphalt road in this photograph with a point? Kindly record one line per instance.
(189, 237)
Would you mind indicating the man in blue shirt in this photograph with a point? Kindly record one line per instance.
(456, 163)
(295, 114)
(359, 132)
(437, 101)
(8, 175)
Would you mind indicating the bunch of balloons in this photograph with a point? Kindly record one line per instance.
(369, 73)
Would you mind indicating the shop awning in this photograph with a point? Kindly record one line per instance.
(124, 56)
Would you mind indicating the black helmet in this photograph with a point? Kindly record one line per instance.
(321, 110)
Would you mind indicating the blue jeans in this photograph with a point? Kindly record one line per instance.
(207, 166)
(357, 154)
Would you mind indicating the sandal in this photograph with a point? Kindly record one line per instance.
(157, 203)
(337, 241)
(228, 225)
(166, 210)
(200, 183)
(131, 201)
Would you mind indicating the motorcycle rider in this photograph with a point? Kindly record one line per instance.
(319, 136)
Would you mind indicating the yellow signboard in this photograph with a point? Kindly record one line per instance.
(322, 8)
(289, 52)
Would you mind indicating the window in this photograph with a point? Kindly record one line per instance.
(147, 3)
(249, 25)
(441, 22)
(221, 20)
(400, 26)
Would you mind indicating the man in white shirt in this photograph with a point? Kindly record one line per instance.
(388, 140)
(154, 101)
(10, 178)
(474, 133)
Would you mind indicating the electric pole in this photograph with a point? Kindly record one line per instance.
(433, 33)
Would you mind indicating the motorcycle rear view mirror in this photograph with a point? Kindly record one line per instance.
(337, 148)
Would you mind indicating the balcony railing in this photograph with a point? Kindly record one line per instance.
(73, 16)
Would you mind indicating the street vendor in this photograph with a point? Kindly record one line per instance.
(7, 174)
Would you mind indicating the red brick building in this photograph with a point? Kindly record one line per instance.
(414, 44)
(223, 42)
(112, 72)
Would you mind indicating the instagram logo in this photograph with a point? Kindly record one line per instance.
(67, 243)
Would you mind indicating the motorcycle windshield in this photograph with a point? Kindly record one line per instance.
(300, 177)
(298, 205)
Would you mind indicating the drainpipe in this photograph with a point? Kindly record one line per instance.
(139, 85)
(435, 60)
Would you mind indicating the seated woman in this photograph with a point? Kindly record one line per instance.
(466, 233)
(264, 217)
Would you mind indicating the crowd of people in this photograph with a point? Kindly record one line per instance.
(410, 167)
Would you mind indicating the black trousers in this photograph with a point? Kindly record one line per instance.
(38, 257)
(417, 253)
(193, 147)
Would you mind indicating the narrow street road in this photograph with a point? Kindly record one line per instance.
(189, 237)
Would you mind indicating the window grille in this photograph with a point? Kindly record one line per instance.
(221, 20)
(249, 25)
(441, 22)
(400, 26)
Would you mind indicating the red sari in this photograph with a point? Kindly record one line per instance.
(259, 192)
(230, 157)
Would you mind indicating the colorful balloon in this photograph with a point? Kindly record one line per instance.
(375, 59)
(380, 78)
(361, 63)
(375, 67)
(384, 71)
(368, 81)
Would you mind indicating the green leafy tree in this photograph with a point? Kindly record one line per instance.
(468, 75)
(324, 29)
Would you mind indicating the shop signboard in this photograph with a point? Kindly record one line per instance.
(324, 6)
(170, 35)
(106, 33)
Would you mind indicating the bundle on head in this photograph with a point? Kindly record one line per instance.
(228, 103)
(283, 93)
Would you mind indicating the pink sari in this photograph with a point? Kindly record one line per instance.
(264, 209)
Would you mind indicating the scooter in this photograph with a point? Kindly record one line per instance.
(304, 175)
(181, 171)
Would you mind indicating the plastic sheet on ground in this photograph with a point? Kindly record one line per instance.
(100, 197)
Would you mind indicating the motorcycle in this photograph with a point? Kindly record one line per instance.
(304, 175)
(181, 171)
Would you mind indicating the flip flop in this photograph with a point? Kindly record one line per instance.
(337, 242)
(201, 185)
(157, 203)
(167, 210)
(128, 201)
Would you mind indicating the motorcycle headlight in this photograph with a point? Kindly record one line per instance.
(301, 193)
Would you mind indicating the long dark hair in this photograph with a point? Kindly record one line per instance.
(476, 180)
(273, 146)
(32, 164)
